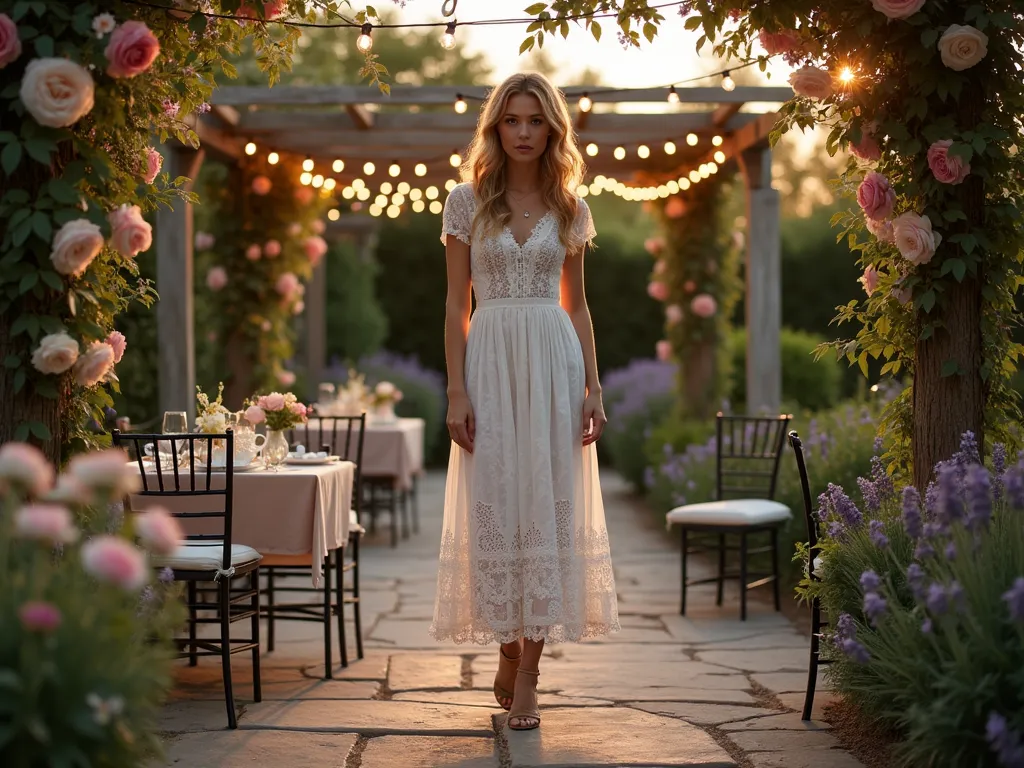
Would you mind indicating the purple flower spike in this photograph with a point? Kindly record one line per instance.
(927, 627)
(845, 628)
(936, 599)
(877, 534)
(874, 607)
(166, 576)
(998, 467)
(923, 550)
(844, 508)
(912, 512)
(957, 597)
(950, 506)
(870, 582)
(1014, 599)
(1004, 741)
(977, 485)
(1013, 483)
(835, 529)
(854, 650)
(872, 499)
(915, 580)
(968, 453)
(950, 551)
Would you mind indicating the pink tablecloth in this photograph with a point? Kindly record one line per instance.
(294, 511)
(390, 450)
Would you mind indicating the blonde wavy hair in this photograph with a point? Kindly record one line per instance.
(561, 165)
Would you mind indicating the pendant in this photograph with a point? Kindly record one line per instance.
(526, 214)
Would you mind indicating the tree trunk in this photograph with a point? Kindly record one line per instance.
(698, 373)
(239, 380)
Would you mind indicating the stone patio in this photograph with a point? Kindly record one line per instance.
(701, 690)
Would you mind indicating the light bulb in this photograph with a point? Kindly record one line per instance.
(673, 187)
(403, 187)
(712, 168)
(420, 170)
(670, 148)
(694, 176)
(716, 141)
(691, 139)
(250, 148)
(334, 214)
(330, 184)
(306, 178)
(436, 207)
(339, 165)
(386, 188)
(431, 192)
(318, 181)
(455, 160)
(450, 185)
(307, 164)
(719, 157)
(380, 200)
(673, 97)
(363, 194)
(643, 151)
(418, 206)
(365, 42)
(393, 211)
(585, 103)
(394, 170)
(397, 199)
(728, 83)
(273, 158)
(448, 38)
(704, 171)
(460, 104)
(348, 193)
(619, 153)
(369, 168)
(582, 190)
(592, 149)
(684, 184)
(375, 210)
(415, 194)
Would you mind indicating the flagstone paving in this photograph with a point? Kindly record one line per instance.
(701, 690)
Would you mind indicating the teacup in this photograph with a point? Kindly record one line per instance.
(248, 446)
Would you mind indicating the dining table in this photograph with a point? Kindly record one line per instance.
(288, 510)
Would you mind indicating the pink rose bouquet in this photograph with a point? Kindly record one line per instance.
(281, 411)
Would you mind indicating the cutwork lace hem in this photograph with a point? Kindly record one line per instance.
(557, 633)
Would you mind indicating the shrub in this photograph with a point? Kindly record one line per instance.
(929, 607)
(814, 384)
(636, 398)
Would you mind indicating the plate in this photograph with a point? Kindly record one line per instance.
(310, 460)
(201, 467)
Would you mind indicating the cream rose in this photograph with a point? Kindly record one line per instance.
(55, 354)
(962, 47)
(56, 92)
(10, 43)
(74, 246)
(914, 238)
(95, 364)
(131, 233)
(812, 82)
(897, 9)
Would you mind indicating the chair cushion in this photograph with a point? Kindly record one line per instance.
(205, 556)
(353, 523)
(738, 512)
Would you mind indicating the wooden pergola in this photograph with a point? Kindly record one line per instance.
(417, 125)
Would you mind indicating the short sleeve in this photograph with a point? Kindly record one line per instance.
(583, 227)
(457, 219)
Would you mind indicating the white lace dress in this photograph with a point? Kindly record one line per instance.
(524, 551)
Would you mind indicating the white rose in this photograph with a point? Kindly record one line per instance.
(914, 238)
(55, 354)
(75, 245)
(385, 389)
(962, 47)
(812, 82)
(56, 92)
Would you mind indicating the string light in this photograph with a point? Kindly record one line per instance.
(348, 193)
(684, 183)
(375, 210)
(716, 141)
(415, 194)
(619, 153)
(719, 156)
(582, 190)
(369, 168)
(673, 97)
(380, 201)
(403, 187)
(330, 184)
(643, 151)
(394, 170)
(318, 181)
(592, 149)
(393, 211)
(728, 84)
(365, 42)
(455, 160)
(431, 192)
(307, 164)
(704, 170)
(418, 206)
(273, 158)
(673, 187)
(670, 147)
(436, 207)
(712, 168)
(397, 199)
(448, 38)
(460, 104)
(420, 170)
(450, 185)
(585, 102)
(334, 214)
(385, 188)
(306, 178)
(250, 148)
(363, 194)
(694, 177)
(339, 165)
(691, 139)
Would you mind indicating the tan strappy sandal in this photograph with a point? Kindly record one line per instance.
(530, 712)
(499, 691)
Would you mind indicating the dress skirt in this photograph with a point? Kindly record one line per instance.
(524, 551)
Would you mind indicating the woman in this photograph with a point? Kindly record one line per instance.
(524, 554)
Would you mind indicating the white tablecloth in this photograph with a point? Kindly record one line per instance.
(390, 450)
(294, 511)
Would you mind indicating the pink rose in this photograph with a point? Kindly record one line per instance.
(10, 44)
(881, 229)
(779, 42)
(673, 314)
(903, 294)
(271, 8)
(314, 247)
(93, 366)
(118, 343)
(675, 207)
(113, 560)
(159, 531)
(107, 471)
(272, 402)
(74, 247)
(654, 245)
(297, 408)
(204, 241)
(131, 234)
(253, 252)
(663, 350)
(304, 195)
(318, 226)
(261, 185)
(39, 616)
(272, 249)
(897, 9)
(287, 285)
(69, 490)
(45, 522)
(812, 82)
(298, 308)
(703, 305)
(286, 379)
(26, 466)
(946, 168)
(657, 290)
(266, 325)
(255, 415)
(867, 148)
(57, 92)
(914, 238)
(294, 229)
(875, 196)
(869, 280)
(689, 286)
(154, 162)
(55, 354)
(131, 50)
(216, 278)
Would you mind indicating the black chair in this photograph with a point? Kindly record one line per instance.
(812, 552)
(341, 436)
(207, 558)
(747, 467)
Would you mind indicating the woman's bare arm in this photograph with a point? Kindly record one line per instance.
(456, 328)
(574, 301)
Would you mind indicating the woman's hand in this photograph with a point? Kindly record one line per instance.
(461, 424)
(593, 418)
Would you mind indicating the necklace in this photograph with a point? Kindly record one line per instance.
(519, 200)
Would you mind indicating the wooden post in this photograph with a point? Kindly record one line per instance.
(764, 283)
(316, 329)
(174, 310)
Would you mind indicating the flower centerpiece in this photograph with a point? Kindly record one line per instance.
(354, 395)
(280, 412)
(212, 418)
(383, 400)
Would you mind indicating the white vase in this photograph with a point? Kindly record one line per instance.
(384, 413)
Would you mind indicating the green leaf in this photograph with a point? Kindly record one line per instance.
(536, 9)
(46, 388)
(527, 45)
(949, 368)
(41, 225)
(929, 37)
(595, 30)
(21, 433)
(52, 279)
(10, 157)
(63, 192)
(19, 380)
(12, 361)
(44, 46)
(40, 430)
(927, 300)
(28, 282)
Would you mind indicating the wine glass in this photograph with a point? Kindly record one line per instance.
(174, 423)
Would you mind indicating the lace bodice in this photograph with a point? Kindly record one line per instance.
(500, 267)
